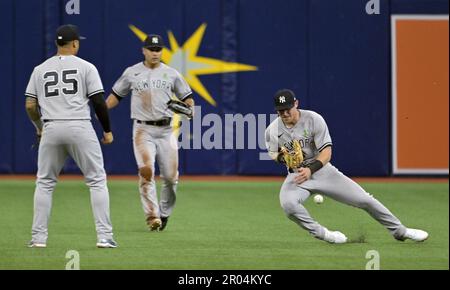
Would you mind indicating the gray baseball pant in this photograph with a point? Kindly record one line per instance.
(77, 139)
(150, 144)
(330, 182)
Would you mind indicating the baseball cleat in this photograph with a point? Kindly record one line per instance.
(154, 224)
(415, 235)
(164, 221)
(106, 243)
(334, 237)
(32, 244)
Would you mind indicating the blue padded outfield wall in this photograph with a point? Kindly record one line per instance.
(333, 54)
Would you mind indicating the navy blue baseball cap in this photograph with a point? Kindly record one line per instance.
(284, 100)
(67, 33)
(153, 41)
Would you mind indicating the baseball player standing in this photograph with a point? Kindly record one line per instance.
(61, 89)
(152, 85)
(316, 174)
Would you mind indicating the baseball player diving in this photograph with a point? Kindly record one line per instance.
(300, 140)
(57, 102)
(152, 85)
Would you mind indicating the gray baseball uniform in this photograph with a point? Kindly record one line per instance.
(62, 86)
(312, 132)
(151, 89)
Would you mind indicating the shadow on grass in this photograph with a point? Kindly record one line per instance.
(361, 239)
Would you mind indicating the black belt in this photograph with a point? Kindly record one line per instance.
(51, 120)
(163, 122)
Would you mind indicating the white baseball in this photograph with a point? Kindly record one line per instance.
(318, 198)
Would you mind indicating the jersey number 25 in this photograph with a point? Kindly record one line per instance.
(69, 87)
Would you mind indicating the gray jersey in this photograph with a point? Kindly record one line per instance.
(63, 85)
(311, 130)
(151, 89)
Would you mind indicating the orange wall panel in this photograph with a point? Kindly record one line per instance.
(422, 115)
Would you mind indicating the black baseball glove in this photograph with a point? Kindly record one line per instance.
(180, 107)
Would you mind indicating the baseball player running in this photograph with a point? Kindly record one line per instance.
(61, 89)
(300, 139)
(152, 85)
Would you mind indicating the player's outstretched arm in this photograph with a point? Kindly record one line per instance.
(112, 101)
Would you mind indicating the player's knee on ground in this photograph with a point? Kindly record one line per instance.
(146, 173)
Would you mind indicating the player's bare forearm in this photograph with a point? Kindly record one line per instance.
(31, 106)
(111, 101)
(325, 155)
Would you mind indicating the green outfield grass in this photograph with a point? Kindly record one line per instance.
(223, 225)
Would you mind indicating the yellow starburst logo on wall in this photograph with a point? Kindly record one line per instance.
(185, 60)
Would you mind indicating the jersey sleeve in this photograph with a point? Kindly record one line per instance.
(93, 82)
(271, 143)
(322, 137)
(181, 87)
(122, 86)
(31, 90)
